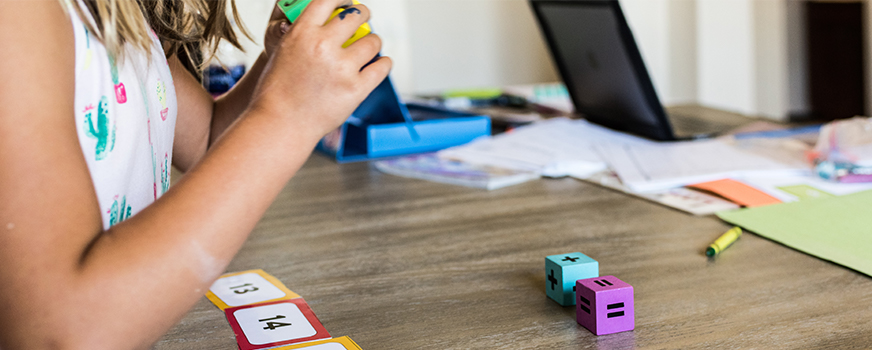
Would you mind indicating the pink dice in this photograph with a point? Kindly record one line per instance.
(604, 305)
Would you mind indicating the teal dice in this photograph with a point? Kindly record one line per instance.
(561, 272)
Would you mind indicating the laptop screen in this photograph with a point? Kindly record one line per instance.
(601, 66)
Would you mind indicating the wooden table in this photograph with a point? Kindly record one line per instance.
(398, 263)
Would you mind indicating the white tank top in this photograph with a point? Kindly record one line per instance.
(125, 117)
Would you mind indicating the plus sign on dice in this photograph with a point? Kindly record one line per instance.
(561, 272)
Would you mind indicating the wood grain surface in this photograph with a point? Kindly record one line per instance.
(399, 263)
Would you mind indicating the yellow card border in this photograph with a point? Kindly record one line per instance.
(275, 281)
(346, 341)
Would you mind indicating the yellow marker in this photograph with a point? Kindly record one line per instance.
(294, 8)
(361, 32)
(724, 241)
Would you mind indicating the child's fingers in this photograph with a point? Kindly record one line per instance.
(365, 49)
(345, 24)
(319, 11)
(275, 31)
(376, 72)
(277, 13)
(277, 28)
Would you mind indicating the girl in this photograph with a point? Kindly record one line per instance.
(97, 99)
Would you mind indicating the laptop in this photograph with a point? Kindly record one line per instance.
(597, 57)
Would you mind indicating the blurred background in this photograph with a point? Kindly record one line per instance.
(779, 59)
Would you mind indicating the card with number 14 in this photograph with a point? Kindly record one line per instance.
(274, 324)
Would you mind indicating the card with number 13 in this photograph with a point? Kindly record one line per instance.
(247, 288)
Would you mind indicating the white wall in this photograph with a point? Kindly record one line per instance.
(725, 55)
(747, 61)
(665, 31)
(474, 43)
(390, 21)
(444, 44)
(683, 67)
(746, 56)
(255, 16)
(649, 21)
(771, 63)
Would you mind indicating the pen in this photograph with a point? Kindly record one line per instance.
(724, 241)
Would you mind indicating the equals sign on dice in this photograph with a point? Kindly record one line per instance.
(604, 305)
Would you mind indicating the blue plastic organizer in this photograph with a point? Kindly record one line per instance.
(383, 126)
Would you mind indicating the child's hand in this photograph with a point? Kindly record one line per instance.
(278, 26)
(311, 79)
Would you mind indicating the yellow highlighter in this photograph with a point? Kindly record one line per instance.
(726, 240)
(293, 9)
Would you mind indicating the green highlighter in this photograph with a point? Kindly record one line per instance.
(294, 8)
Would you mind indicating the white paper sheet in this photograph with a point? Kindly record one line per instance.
(553, 148)
(651, 167)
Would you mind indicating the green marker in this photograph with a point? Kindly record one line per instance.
(293, 8)
(726, 240)
(476, 94)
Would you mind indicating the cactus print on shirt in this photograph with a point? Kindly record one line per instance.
(100, 127)
(119, 211)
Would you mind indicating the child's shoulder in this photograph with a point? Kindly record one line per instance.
(37, 15)
(38, 30)
(38, 56)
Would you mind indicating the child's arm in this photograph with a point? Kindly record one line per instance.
(69, 284)
(202, 119)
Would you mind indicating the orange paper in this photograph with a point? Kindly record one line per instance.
(737, 192)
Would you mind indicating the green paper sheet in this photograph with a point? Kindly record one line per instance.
(837, 229)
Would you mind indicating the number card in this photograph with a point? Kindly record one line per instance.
(273, 324)
(247, 288)
(342, 343)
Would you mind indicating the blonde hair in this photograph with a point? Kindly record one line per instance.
(190, 29)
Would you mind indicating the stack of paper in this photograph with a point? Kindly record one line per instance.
(562, 147)
(659, 166)
(432, 168)
(553, 148)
